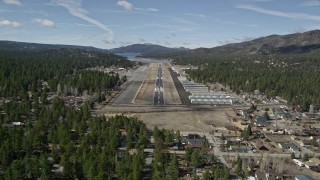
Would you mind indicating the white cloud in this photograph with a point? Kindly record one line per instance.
(4, 10)
(13, 24)
(227, 41)
(152, 9)
(244, 38)
(129, 7)
(143, 40)
(23, 11)
(109, 42)
(236, 23)
(299, 30)
(74, 8)
(125, 5)
(262, 0)
(45, 23)
(184, 21)
(125, 43)
(311, 3)
(280, 13)
(13, 2)
(195, 15)
(166, 27)
(257, 1)
(147, 9)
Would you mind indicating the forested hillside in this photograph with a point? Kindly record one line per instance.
(61, 142)
(296, 78)
(285, 66)
(44, 138)
(22, 71)
(146, 49)
(24, 46)
(297, 43)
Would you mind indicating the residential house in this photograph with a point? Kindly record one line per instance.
(313, 164)
(195, 141)
(298, 162)
(277, 112)
(270, 175)
(261, 121)
(273, 130)
(292, 147)
(245, 113)
(291, 129)
(312, 116)
(303, 177)
(240, 148)
(217, 134)
(18, 123)
(13, 124)
(285, 116)
(315, 160)
(259, 146)
(304, 143)
(315, 138)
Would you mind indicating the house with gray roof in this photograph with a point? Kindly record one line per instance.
(292, 147)
(261, 121)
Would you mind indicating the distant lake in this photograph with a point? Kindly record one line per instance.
(133, 57)
(130, 56)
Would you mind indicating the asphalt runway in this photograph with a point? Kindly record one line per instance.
(158, 99)
(184, 96)
(128, 94)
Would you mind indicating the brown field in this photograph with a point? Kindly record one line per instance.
(146, 93)
(202, 121)
(171, 96)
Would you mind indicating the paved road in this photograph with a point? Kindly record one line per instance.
(127, 95)
(158, 99)
(184, 96)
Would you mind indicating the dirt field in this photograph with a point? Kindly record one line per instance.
(171, 95)
(146, 93)
(202, 121)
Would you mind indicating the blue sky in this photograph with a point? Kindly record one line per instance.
(173, 23)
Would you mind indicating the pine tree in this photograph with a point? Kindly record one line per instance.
(173, 169)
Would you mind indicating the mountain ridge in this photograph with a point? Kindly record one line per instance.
(29, 46)
(147, 49)
(272, 44)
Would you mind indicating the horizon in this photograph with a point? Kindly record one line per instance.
(162, 45)
(188, 24)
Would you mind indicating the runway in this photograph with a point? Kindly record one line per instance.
(184, 96)
(158, 99)
(128, 94)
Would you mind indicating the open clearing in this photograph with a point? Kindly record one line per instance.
(127, 95)
(145, 95)
(201, 121)
(170, 91)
